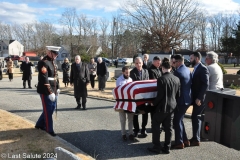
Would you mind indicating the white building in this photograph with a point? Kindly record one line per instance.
(10, 47)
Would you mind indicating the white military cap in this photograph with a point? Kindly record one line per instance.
(53, 48)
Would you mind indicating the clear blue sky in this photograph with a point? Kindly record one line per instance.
(26, 11)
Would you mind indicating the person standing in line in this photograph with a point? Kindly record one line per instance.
(26, 67)
(10, 69)
(200, 84)
(138, 74)
(123, 79)
(79, 79)
(66, 70)
(146, 62)
(215, 72)
(48, 88)
(1, 65)
(92, 66)
(154, 73)
(183, 102)
(101, 73)
(168, 88)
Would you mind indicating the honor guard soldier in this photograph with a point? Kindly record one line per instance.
(48, 88)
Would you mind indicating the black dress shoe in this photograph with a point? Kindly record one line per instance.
(155, 150)
(165, 151)
(135, 134)
(78, 107)
(30, 87)
(144, 132)
(52, 134)
(38, 127)
(84, 107)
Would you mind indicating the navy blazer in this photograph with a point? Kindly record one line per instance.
(185, 76)
(135, 75)
(200, 83)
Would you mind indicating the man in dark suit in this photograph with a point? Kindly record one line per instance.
(200, 83)
(146, 62)
(154, 73)
(102, 74)
(183, 102)
(79, 78)
(26, 67)
(168, 88)
(138, 74)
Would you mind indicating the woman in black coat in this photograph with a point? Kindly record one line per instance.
(66, 69)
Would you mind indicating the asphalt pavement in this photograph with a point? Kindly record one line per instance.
(96, 131)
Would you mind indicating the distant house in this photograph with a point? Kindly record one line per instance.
(10, 47)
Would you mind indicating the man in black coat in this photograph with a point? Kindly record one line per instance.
(26, 67)
(79, 78)
(101, 73)
(168, 88)
(154, 73)
(1, 69)
(138, 74)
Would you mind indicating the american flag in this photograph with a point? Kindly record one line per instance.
(134, 94)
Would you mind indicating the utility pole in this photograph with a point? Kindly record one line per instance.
(114, 24)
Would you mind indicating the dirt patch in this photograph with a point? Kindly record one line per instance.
(18, 137)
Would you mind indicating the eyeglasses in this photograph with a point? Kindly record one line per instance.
(174, 62)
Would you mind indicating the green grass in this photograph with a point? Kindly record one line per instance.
(230, 65)
(232, 86)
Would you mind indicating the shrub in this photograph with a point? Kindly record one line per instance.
(222, 67)
(238, 72)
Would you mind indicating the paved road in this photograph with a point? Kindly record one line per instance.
(97, 130)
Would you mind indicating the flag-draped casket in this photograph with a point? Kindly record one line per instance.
(131, 95)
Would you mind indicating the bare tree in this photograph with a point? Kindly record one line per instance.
(165, 22)
(104, 23)
(68, 19)
(202, 32)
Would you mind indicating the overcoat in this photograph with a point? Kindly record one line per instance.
(79, 78)
(27, 70)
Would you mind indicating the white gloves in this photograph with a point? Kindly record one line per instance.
(58, 92)
(52, 97)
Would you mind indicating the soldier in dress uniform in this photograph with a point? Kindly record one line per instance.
(48, 88)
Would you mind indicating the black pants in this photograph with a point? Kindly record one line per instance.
(144, 123)
(166, 119)
(10, 75)
(101, 82)
(24, 83)
(84, 100)
(92, 80)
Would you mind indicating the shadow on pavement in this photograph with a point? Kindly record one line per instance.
(106, 144)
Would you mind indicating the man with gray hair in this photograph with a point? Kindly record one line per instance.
(215, 72)
(101, 73)
(79, 79)
(146, 63)
(26, 67)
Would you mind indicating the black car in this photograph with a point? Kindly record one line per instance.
(187, 63)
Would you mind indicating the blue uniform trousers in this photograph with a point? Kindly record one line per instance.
(45, 120)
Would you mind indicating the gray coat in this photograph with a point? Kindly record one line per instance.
(79, 79)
